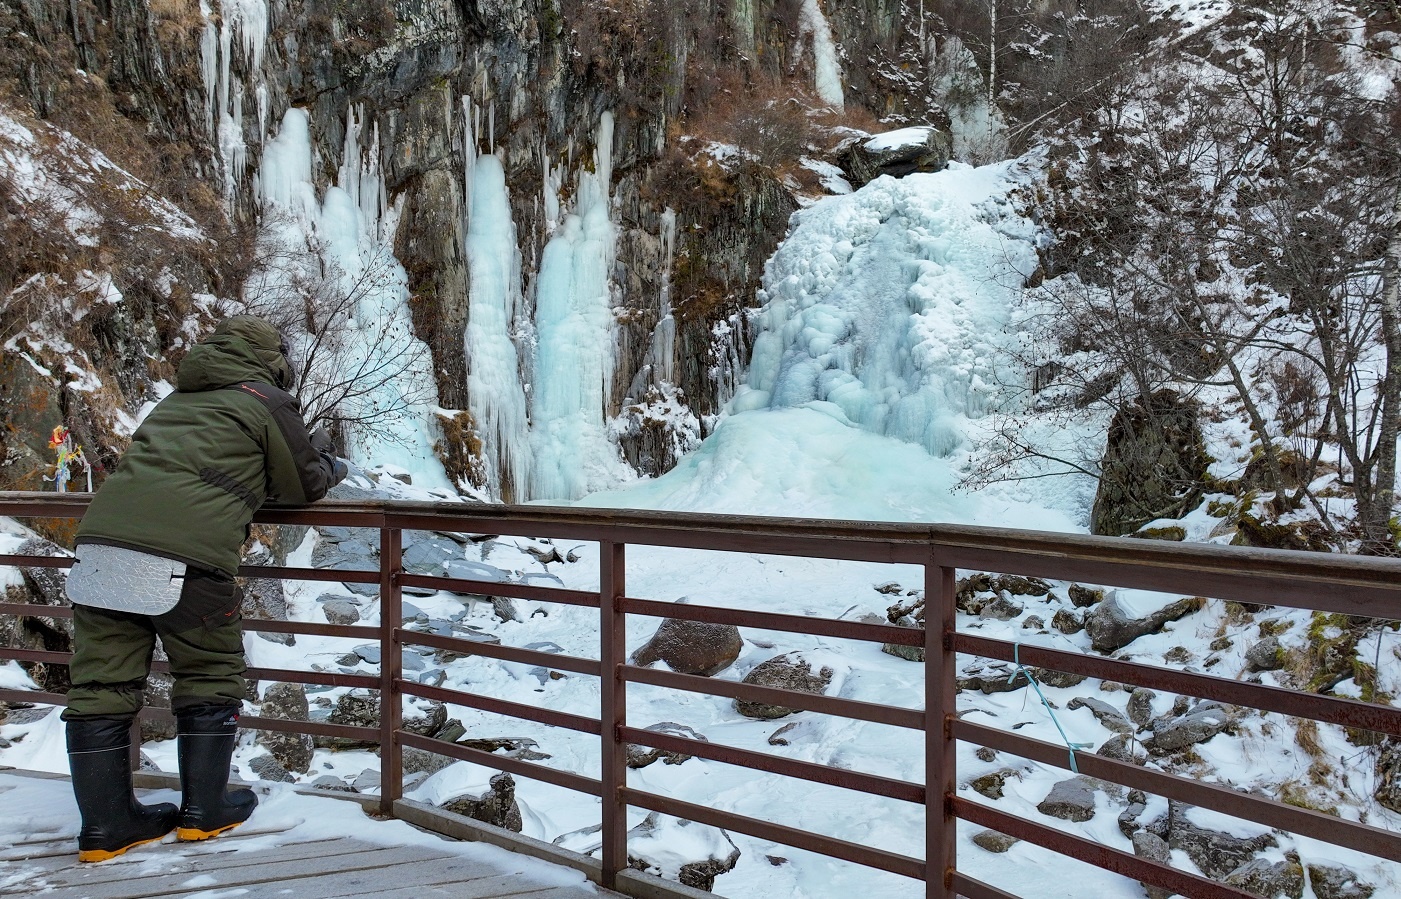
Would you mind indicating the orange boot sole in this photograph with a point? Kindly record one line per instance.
(194, 834)
(102, 855)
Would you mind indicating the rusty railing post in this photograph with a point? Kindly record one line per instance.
(940, 749)
(612, 712)
(391, 668)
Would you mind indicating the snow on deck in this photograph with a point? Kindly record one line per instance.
(294, 844)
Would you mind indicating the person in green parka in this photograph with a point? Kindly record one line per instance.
(157, 553)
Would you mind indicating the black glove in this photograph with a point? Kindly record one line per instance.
(339, 470)
(321, 441)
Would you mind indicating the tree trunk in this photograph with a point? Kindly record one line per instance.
(1376, 518)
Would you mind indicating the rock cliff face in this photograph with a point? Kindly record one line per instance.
(187, 95)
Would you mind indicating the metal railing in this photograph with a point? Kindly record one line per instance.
(1332, 583)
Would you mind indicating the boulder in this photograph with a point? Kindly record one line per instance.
(691, 647)
(642, 756)
(286, 702)
(923, 148)
(1104, 713)
(1154, 464)
(676, 849)
(1337, 882)
(267, 768)
(1145, 814)
(993, 841)
(42, 586)
(1263, 878)
(1267, 655)
(791, 671)
(495, 805)
(1083, 597)
(1203, 722)
(1217, 854)
(265, 600)
(989, 677)
(1070, 800)
(341, 611)
(1067, 622)
(1123, 748)
(1140, 706)
(1112, 626)
(992, 783)
(1150, 846)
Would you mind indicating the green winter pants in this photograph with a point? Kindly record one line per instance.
(202, 636)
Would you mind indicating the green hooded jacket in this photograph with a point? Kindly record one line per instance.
(210, 454)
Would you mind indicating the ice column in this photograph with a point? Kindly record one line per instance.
(575, 345)
(496, 394)
(368, 341)
(824, 53)
(246, 21)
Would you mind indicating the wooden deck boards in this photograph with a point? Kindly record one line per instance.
(251, 866)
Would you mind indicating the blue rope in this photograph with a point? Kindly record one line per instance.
(1022, 669)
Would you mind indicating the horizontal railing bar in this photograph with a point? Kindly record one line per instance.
(1305, 822)
(325, 575)
(1331, 582)
(47, 656)
(774, 621)
(35, 610)
(968, 888)
(323, 678)
(778, 833)
(566, 779)
(493, 588)
(504, 707)
(312, 629)
(1097, 854)
(1328, 709)
(872, 784)
(808, 702)
(37, 561)
(35, 696)
(503, 653)
(314, 728)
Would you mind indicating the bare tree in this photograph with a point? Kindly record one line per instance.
(355, 359)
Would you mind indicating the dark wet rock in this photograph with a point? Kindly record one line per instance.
(991, 784)
(267, 768)
(993, 841)
(495, 805)
(1217, 854)
(1083, 597)
(1104, 713)
(1267, 655)
(1337, 882)
(789, 672)
(1202, 723)
(1070, 800)
(642, 756)
(286, 702)
(1111, 628)
(711, 850)
(1153, 466)
(1140, 706)
(1283, 878)
(691, 647)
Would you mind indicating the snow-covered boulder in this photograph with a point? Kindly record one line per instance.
(1123, 618)
(791, 671)
(1336, 882)
(495, 803)
(1204, 721)
(1070, 800)
(897, 153)
(676, 849)
(642, 756)
(1216, 852)
(1263, 878)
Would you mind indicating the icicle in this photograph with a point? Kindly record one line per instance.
(209, 59)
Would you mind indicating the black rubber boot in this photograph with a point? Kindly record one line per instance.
(208, 808)
(113, 821)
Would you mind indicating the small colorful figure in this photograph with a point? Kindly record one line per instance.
(69, 455)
